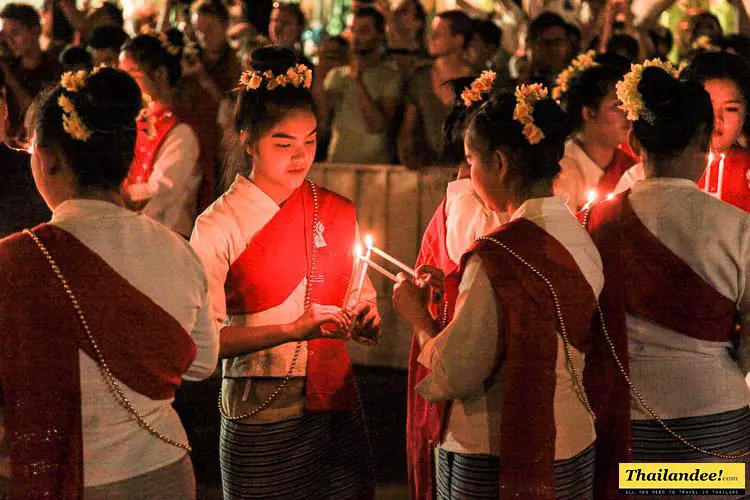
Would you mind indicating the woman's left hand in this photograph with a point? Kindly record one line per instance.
(366, 323)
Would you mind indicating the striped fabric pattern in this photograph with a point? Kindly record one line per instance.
(321, 455)
(723, 432)
(463, 476)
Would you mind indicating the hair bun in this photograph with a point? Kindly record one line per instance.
(110, 100)
(274, 59)
(554, 122)
(659, 89)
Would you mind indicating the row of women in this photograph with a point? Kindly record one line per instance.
(105, 311)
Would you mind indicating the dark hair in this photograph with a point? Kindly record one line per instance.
(376, 16)
(214, 8)
(721, 66)
(460, 24)
(293, 8)
(682, 113)
(74, 55)
(338, 39)
(61, 28)
(21, 12)
(587, 89)
(658, 36)
(493, 128)
(694, 20)
(259, 110)
(543, 22)
(108, 105)
(150, 54)
(419, 13)
(108, 37)
(487, 31)
(454, 126)
(113, 12)
(624, 45)
(737, 44)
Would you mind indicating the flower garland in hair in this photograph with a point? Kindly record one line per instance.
(298, 76)
(704, 43)
(581, 63)
(73, 125)
(172, 49)
(526, 98)
(481, 85)
(627, 89)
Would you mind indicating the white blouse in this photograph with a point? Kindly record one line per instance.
(462, 356)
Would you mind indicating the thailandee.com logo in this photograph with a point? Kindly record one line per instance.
(682, 479)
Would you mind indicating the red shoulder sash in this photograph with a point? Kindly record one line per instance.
(146, 147)
(276, 260)
(144, 347)
(527, 350)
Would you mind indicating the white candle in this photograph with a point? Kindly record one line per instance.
(379, 269)
(394, 261)
(721, 176)
(363, 263)
(355, 274)
(708, 171)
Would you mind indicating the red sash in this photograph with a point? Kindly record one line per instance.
(634, 260)
(144, 347)
(274, 262)
(146, 148)
(621, 163)
(736, 182)
(425, 419)
(527, 348)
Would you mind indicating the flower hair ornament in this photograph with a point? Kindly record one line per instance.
(704, 43)
(581, 63)
(481, 85)
(172, 49)
(297, 76)
(627, 90)
(74, 126)
(526, 98)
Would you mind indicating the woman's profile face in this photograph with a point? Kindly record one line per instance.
(729, 112)
(282, 156)
(486, 177)
(610, 121)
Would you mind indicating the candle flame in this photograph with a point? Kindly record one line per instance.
(592, 196)
(368, 241)
(711, 157)
(610, 196)
(722, 156)
(358, 250)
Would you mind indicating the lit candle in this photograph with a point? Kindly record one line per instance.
(708, 171)
(390, 259)
(610, 196)
(363, 263)
(591, 197)
(721, 176)
(355, 274)
(379, 269)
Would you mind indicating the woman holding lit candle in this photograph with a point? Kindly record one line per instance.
(594, 158)
(278, 253)
(677, 279)
(519, 423)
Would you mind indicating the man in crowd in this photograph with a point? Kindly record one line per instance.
(104, 45)
(549, 49)
(285, 28)
(362, 96)
(26, 68)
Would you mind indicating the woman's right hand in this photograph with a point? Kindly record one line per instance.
(310, 325)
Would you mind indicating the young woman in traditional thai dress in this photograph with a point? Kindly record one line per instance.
(594, 158)
(676, 282)
(278, 252)
(726, 78)
(459, 220)
(94, 344)
(165, 179)
(519, 423)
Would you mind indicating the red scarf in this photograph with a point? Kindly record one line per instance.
(736, 182)
(634, 261)
(274, 262)
(147, 148)
(425, 419)
(621, 163)
(39, 354)
(527, 347)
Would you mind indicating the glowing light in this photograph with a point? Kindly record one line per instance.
(368, 241)
(610, 196)
(592, 196)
